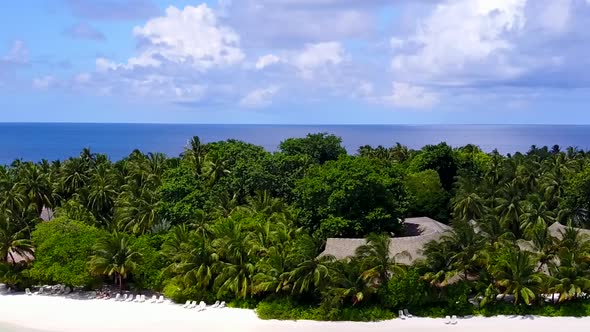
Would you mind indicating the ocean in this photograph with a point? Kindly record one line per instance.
(36, 141)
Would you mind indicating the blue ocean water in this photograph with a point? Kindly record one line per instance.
(36, 141)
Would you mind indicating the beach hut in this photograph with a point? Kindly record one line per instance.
(418, 232)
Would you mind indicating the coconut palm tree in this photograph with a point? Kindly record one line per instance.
(347, 283)
(515, 271)
(236, 268)
(312, 271)
(13, 241)
(195, 152)
(114, 257)
(376, 261)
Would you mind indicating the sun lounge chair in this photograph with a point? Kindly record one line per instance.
(401, 314)
(28, 291)
(132, 299)
(448, 320)
(67, 290)
(222, 304)
(117, 297)
(161, 299)
(193, 305)
(124, 299)
(154, 299)
(202, 306)
(453, 319)
(187, 304)
(407, 313)
(142, 299)
(215, 305)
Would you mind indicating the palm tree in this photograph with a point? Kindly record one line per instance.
(195, 152)
(312, 270)
(271, 275)
(235, 249)
(347, 282)
(467, 203)
(102, 193)
(13, 241)
(376, 261)
(215, 167)
(36, 187)
(509, 207)
(114, 256)
(516, 273)
(535, 214)
(465, 245)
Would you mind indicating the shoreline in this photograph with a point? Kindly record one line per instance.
(23, 313)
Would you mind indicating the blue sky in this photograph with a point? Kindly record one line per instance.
(295, 61)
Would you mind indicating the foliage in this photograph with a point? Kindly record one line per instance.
(367, 194)
(62, 250)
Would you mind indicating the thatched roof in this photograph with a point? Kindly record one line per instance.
(558, 229)
(423, 229)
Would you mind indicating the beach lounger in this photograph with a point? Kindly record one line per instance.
(117, 297)
(187, 304)
(193, 305)
(161, 300)
(154, 299)
(28, 291)
(124, 299)
(401, 314)
(215, 305)
(133, 299)
(202, 306)
(67, 290)
(142, 298)
(448, 320)
(453, 319)
(407, 313)
(222, 304)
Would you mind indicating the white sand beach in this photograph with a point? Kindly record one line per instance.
(58, 314)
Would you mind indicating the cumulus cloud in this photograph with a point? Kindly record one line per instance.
(267, 60)
(405, 95)
(259, 97)
(317, 56)
(84, 31)
(192, 36)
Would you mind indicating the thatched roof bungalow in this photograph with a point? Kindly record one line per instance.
(419, 230)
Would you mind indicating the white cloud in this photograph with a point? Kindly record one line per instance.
(103, 65)
(267, 60)
(43, 83)
(462, 40)
(410, 96)
(318, 55)
(192, 36)
(259, 97)
(18, 54)
(365, 89)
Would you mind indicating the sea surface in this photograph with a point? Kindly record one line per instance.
(36, 141)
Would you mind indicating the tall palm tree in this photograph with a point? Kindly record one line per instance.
(465, 245)
(36, 187)
(114, 257)
(376, 261)
(102, 193)
(312, 271)
(215, 167)
(195, 152)
(347, 283)
(13, 241)
(516, 273)
(509, 207)
(236, 268)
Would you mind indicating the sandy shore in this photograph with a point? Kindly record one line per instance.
(57, 314)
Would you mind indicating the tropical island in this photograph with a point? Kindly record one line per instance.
(309, 231)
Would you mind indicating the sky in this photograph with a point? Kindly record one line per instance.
(296, 61)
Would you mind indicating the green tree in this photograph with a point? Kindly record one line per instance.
(114, 257)
(427, 196)
(62, 248)
(320, 147)
(515, 271)
(376, 261)
(367, 194)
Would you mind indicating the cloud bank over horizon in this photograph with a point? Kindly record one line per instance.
(368, 60)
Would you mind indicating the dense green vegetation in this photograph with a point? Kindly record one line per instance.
(229, 220)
